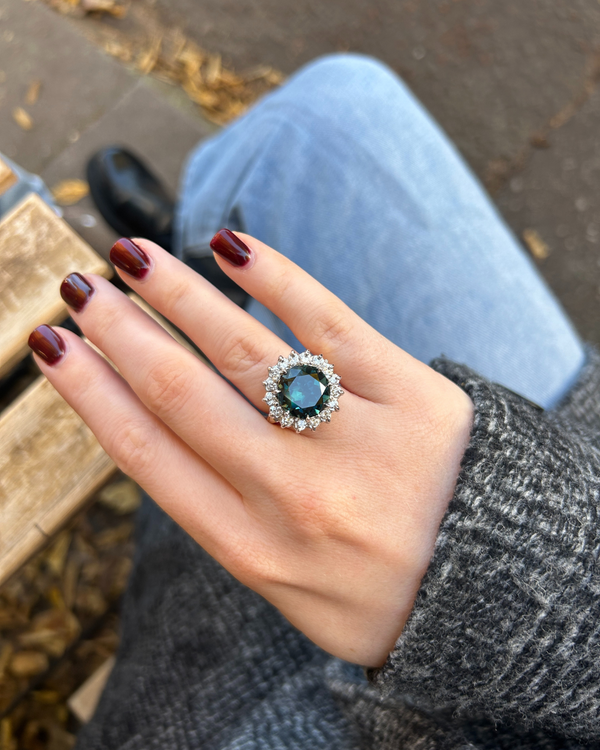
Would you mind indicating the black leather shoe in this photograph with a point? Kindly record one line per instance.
(130, 198)
(135, 203)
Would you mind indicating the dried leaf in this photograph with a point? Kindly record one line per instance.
(46, 697)
(204, 97)
(213, 69)
(191, 58)
(70, 582)
(104, 6)
(56, 556)
(6, 652)
(121, 497)
(56, 598)
(148, 59)
(118, 49)
(69, 192)
(116, 535)
(536, 245)
(7, 742)
(33, 92)
(51, 631)
(118, 575)
(28, 664)
(22, 118)
(89, 599)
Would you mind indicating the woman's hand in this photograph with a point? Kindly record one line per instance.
(336, 527)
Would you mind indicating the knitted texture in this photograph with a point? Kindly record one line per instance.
(506, 625)
(501, 651)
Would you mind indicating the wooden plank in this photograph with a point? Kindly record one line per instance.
(50, 463)
(7, 177)
(85, 699)
(37, 250)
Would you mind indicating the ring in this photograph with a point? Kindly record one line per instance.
(302, 391)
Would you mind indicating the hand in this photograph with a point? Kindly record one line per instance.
(336, 528)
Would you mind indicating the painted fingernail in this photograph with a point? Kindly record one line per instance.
(130, 258)
(76, 291)
(47, 344)
(228, 246)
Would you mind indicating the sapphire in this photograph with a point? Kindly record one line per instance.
(304, 391)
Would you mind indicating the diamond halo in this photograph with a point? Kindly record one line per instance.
(289, 404)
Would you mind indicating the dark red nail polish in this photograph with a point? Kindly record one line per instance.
(76, 291)
(130, 258)
(47, 344)
(228, 246)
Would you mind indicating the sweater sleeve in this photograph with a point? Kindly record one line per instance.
(506, 624)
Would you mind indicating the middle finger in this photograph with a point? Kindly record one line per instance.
(239, 346)
(189, 397)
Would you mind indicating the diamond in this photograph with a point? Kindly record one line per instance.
(300, 425)
(287, 420)
(313, 422)
(276, 412)
(304, 391)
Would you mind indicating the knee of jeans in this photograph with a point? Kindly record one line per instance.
(341, 85)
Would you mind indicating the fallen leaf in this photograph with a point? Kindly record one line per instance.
(213, 69)
(56, 556)
(28, 664)
(22, 118)
(69, 192)
(148, 59)
(89, 599)
(70, 582)
(121, 497)
(33, 92)
(104, 6)
(536, 245)
(116, 535)
(6, 652)
(51, 631)
(7, 742)
(118, 49)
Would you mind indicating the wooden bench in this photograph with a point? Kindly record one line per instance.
(50, 462)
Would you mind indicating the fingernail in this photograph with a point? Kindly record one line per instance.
(130, 258)
(230, 247)
(47, 344)
(76, 291)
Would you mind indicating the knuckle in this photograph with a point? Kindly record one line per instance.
(279, 284)
(243, 355)
(134, 447)
(176, 297)
(332, 327)
(168, 387)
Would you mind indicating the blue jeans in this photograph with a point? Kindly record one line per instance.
(344, 172)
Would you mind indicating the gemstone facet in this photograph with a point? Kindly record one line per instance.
(304, 391)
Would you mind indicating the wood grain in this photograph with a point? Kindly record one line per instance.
(7, 177)
(37, 250)
(50, 463)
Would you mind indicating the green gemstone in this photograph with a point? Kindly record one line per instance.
(304, 391)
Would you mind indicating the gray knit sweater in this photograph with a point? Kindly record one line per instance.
(502, 649)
